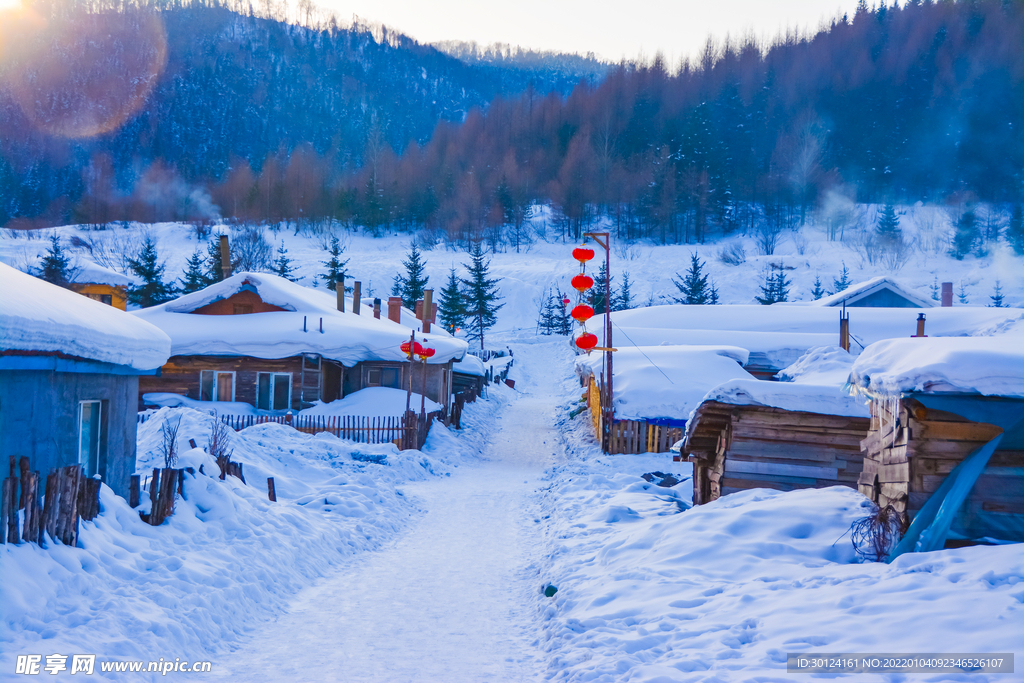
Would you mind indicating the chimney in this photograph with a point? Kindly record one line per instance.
(225, 260)
(340, 292)
(844, 330)
(419, 309)
(357, 288)
(376, 309)
(426, 308)
(947, 294)
(920, 326)
(395, 309)
(433, 314)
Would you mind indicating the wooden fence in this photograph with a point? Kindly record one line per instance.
(407, 432)
(68, 497)
(627, 436)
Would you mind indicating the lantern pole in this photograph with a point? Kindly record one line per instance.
(604, 239)
(408, 392)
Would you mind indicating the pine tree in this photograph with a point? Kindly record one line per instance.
(597, 292)
(194, 279)
(481, 295)
(776, 286)
(283, 265)
(148, 268)
(965, 236)
(694, 287)
(1015, 231)
(55, 266)
(564, 319)
(214, 268)
(335, 266)
(962, 294)
(713, 295)
(818, 290)
(451, 309)
(935, 289)
(411, 285)
(888, 228)
(997, 296)
(624, 300)
(843, 281)
(548, 321)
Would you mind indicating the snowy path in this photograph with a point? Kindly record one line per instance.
(448, 601)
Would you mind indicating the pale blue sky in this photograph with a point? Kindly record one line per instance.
(612, 29)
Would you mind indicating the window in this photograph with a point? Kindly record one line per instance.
(241, 309)
(273, 390)
(383, 377)
(216, 386)
(89, 415)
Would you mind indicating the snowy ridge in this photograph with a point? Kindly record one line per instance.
(41, 318)
(826, 399)
(991, 366)
(346, 337)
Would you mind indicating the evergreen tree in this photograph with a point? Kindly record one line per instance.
(818, 290)
(997, 296)
(624, 301)
(411, 285)
(481, 295)
(194, 279)
(150, 270)
(888, 228)
(935, 288)
(776, 286)
(283, 265)
(55, 266)
(713, 295)
(694, 287)
(565, 320)
(548, 321)
(1015, 231)
(451, 309)
(597, 293)
(966, 235)
(962, 294)
(843, 281)
(335, 266)
(214, 268)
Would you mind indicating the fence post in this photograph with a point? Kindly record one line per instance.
(133, 491)
(271, 491)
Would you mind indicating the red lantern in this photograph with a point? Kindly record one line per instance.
(428, 353)
(586, 341)
(582, 283)
(566, 301)
(583, 254)
(417, 348)
(582, 313)
(405, 347)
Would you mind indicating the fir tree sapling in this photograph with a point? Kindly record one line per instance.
(335, 266)
(888, 228)
(194, 278)
(843, 281)
(935, 288)
(818, 290)
(776, 286)
(411, 285)
(150, 270)
(693, 287)
(548, 320)
(624, 300)
(564, 319)
(713, 295)
(962, 294)
(482, 295)
(451, 309)
(214, 267)
(283, 265)
(597, 293)
(997, 297)
(55, 266)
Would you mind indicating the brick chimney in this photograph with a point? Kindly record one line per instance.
(433, 314)
(225, 258)
(357, 290)
(426, 307)
(376, 309)
(947, 294)
(395, 309)
(920, 325)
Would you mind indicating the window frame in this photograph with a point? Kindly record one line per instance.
(92, 466)
(214, 387)
(271, 389)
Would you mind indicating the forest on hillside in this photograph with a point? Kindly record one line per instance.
(259, 120)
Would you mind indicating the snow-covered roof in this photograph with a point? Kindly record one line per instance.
(470, 365)
(87, 272)
(41, 318)
(384, 401)
(666, 381)
(821, 365)
(861, 290)
(346, 337)
(991, 366)
(824, 399)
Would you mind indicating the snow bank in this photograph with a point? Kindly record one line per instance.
(346, 337)
(168, 400)
(666, 381)
(43, 318)
(470, 365)
(826, 399)
(820, 365)
(228, 558)
(992, 366)
(372, 401)
(88, 272)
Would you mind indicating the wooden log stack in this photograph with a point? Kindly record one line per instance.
(737, 447)
(67, 497)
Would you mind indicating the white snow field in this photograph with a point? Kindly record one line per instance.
(430, 567)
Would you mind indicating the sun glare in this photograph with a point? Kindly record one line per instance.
(9, 5)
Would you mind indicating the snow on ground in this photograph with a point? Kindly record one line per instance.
(228, 559)
(526, 277)
(651, 590)
(164, 399)
(383, 401)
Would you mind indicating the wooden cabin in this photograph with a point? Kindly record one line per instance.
(878, 292)
(265, 341)
(69, 378)
(102, 284)
(737, 443)
(917, 439)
